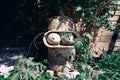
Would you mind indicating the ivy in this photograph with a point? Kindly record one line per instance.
(27, 69)
(3, 78)
(33, 14)
(107, 65)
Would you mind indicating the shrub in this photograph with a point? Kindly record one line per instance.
(107, 67)
(27, 69)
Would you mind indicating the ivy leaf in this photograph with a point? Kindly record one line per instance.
(30, 58)
(78, 8)
(15, 76)
(2, 77)
(78, 14)
(47, 75)
(16, 57)
(25, 77)
(32, 75)
(45, 61)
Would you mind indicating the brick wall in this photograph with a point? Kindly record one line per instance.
(107, 40)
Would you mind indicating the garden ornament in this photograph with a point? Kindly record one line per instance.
(59, 39)
(60, 23)
(53, 38)
(67, 39)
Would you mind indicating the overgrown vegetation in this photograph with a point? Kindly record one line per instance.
(3, 78)
(104, 67)
(82, 44)
(107, 67)
(33, 16)
(110, 65)
(27, 69)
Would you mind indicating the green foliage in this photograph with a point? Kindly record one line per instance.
(66, 35)
(85, 72)
(108, 67)
(2, 78)
(33, 14)
(25, 16)
(82, 44)
(61, 77)
(27, 69)
(110, 64)
(95, 13)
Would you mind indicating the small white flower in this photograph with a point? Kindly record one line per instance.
(4, 70)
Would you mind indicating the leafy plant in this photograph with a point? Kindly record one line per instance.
(66, 35)
(60, 77)
(110, 65)
(94, 13)
(3, 78)
(105, 68)
(27, 69)
(86, 73)
(82, 44)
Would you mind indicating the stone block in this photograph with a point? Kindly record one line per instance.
(114, 18)
(97, 39)
(117, 43)
(117, 13)
(118, 7)
(107, 33)
(114, 22)
(100, 44)
(105, 39)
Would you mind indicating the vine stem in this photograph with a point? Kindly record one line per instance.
(34, 42)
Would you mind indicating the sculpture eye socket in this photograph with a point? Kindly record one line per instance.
(69, 38)
(53, 38)
(70, 57)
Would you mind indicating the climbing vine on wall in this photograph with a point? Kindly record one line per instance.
(33, 14)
